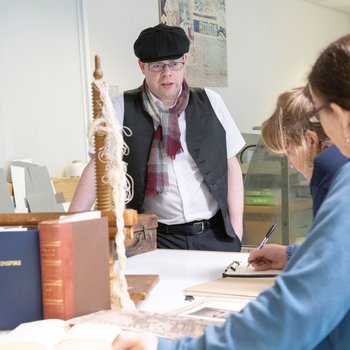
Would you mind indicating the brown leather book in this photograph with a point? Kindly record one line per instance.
(74, 267)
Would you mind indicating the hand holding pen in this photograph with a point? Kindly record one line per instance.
(266, 238)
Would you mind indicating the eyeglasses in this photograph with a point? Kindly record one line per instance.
(159, 67)
(314, 116)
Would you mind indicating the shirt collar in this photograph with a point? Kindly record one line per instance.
(158, 102)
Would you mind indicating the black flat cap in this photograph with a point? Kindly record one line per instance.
(161, 42)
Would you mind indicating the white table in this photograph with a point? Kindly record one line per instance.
(178, 269)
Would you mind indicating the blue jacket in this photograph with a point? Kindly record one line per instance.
(309, 305)
(326, 165)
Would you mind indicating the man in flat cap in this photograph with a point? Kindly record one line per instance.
(182, 151)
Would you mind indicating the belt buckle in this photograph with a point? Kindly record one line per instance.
(203, 226)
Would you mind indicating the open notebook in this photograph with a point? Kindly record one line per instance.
(241, 269)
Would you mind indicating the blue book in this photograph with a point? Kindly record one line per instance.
(20, 278)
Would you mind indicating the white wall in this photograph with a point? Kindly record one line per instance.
(43, 92)
(271, 46)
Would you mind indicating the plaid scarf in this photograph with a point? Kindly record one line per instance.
(166, 139)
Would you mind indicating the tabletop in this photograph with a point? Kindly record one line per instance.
(178, 269)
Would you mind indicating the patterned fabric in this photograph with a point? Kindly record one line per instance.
(166, 139)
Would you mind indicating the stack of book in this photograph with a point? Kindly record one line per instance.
(59, 270)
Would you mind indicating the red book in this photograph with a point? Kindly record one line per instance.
(74, 267)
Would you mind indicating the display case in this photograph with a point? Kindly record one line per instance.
(274, 193)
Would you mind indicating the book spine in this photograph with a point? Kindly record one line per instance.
(20, 281)
(55, 263)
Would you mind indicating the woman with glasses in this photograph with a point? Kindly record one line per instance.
(182, 151)
(288, 132)
(309, 305)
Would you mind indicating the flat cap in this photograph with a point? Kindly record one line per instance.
(161, 42)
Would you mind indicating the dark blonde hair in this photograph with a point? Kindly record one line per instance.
(288, 124)
(330, 75)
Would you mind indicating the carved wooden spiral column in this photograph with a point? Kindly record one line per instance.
(103, 196)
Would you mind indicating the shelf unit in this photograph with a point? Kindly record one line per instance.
(274, 193)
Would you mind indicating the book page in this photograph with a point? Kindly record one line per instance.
(52, 334)
(231, 287)
(86, 215)
(36, 335)
(164, 325)
(13, 228)
(89, 336)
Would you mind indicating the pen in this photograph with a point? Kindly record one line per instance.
(266, 238)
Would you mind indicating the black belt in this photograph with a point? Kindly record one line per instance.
(189, 228)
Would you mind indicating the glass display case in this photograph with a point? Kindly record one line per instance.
(274, 193)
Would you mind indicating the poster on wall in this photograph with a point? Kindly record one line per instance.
(204, 23)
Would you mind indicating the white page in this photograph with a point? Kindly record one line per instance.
(47, 333)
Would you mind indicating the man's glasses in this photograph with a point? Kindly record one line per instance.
(159, 67)
(314, 115)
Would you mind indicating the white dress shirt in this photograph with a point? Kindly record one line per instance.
(189, 197)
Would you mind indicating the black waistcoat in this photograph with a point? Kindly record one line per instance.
(206, 143)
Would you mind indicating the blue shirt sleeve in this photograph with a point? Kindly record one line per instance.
(308, 307)
(291, 249)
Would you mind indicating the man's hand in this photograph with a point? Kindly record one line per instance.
(271, 256)
(135, 341)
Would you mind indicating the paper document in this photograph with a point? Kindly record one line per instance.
(241, 269)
